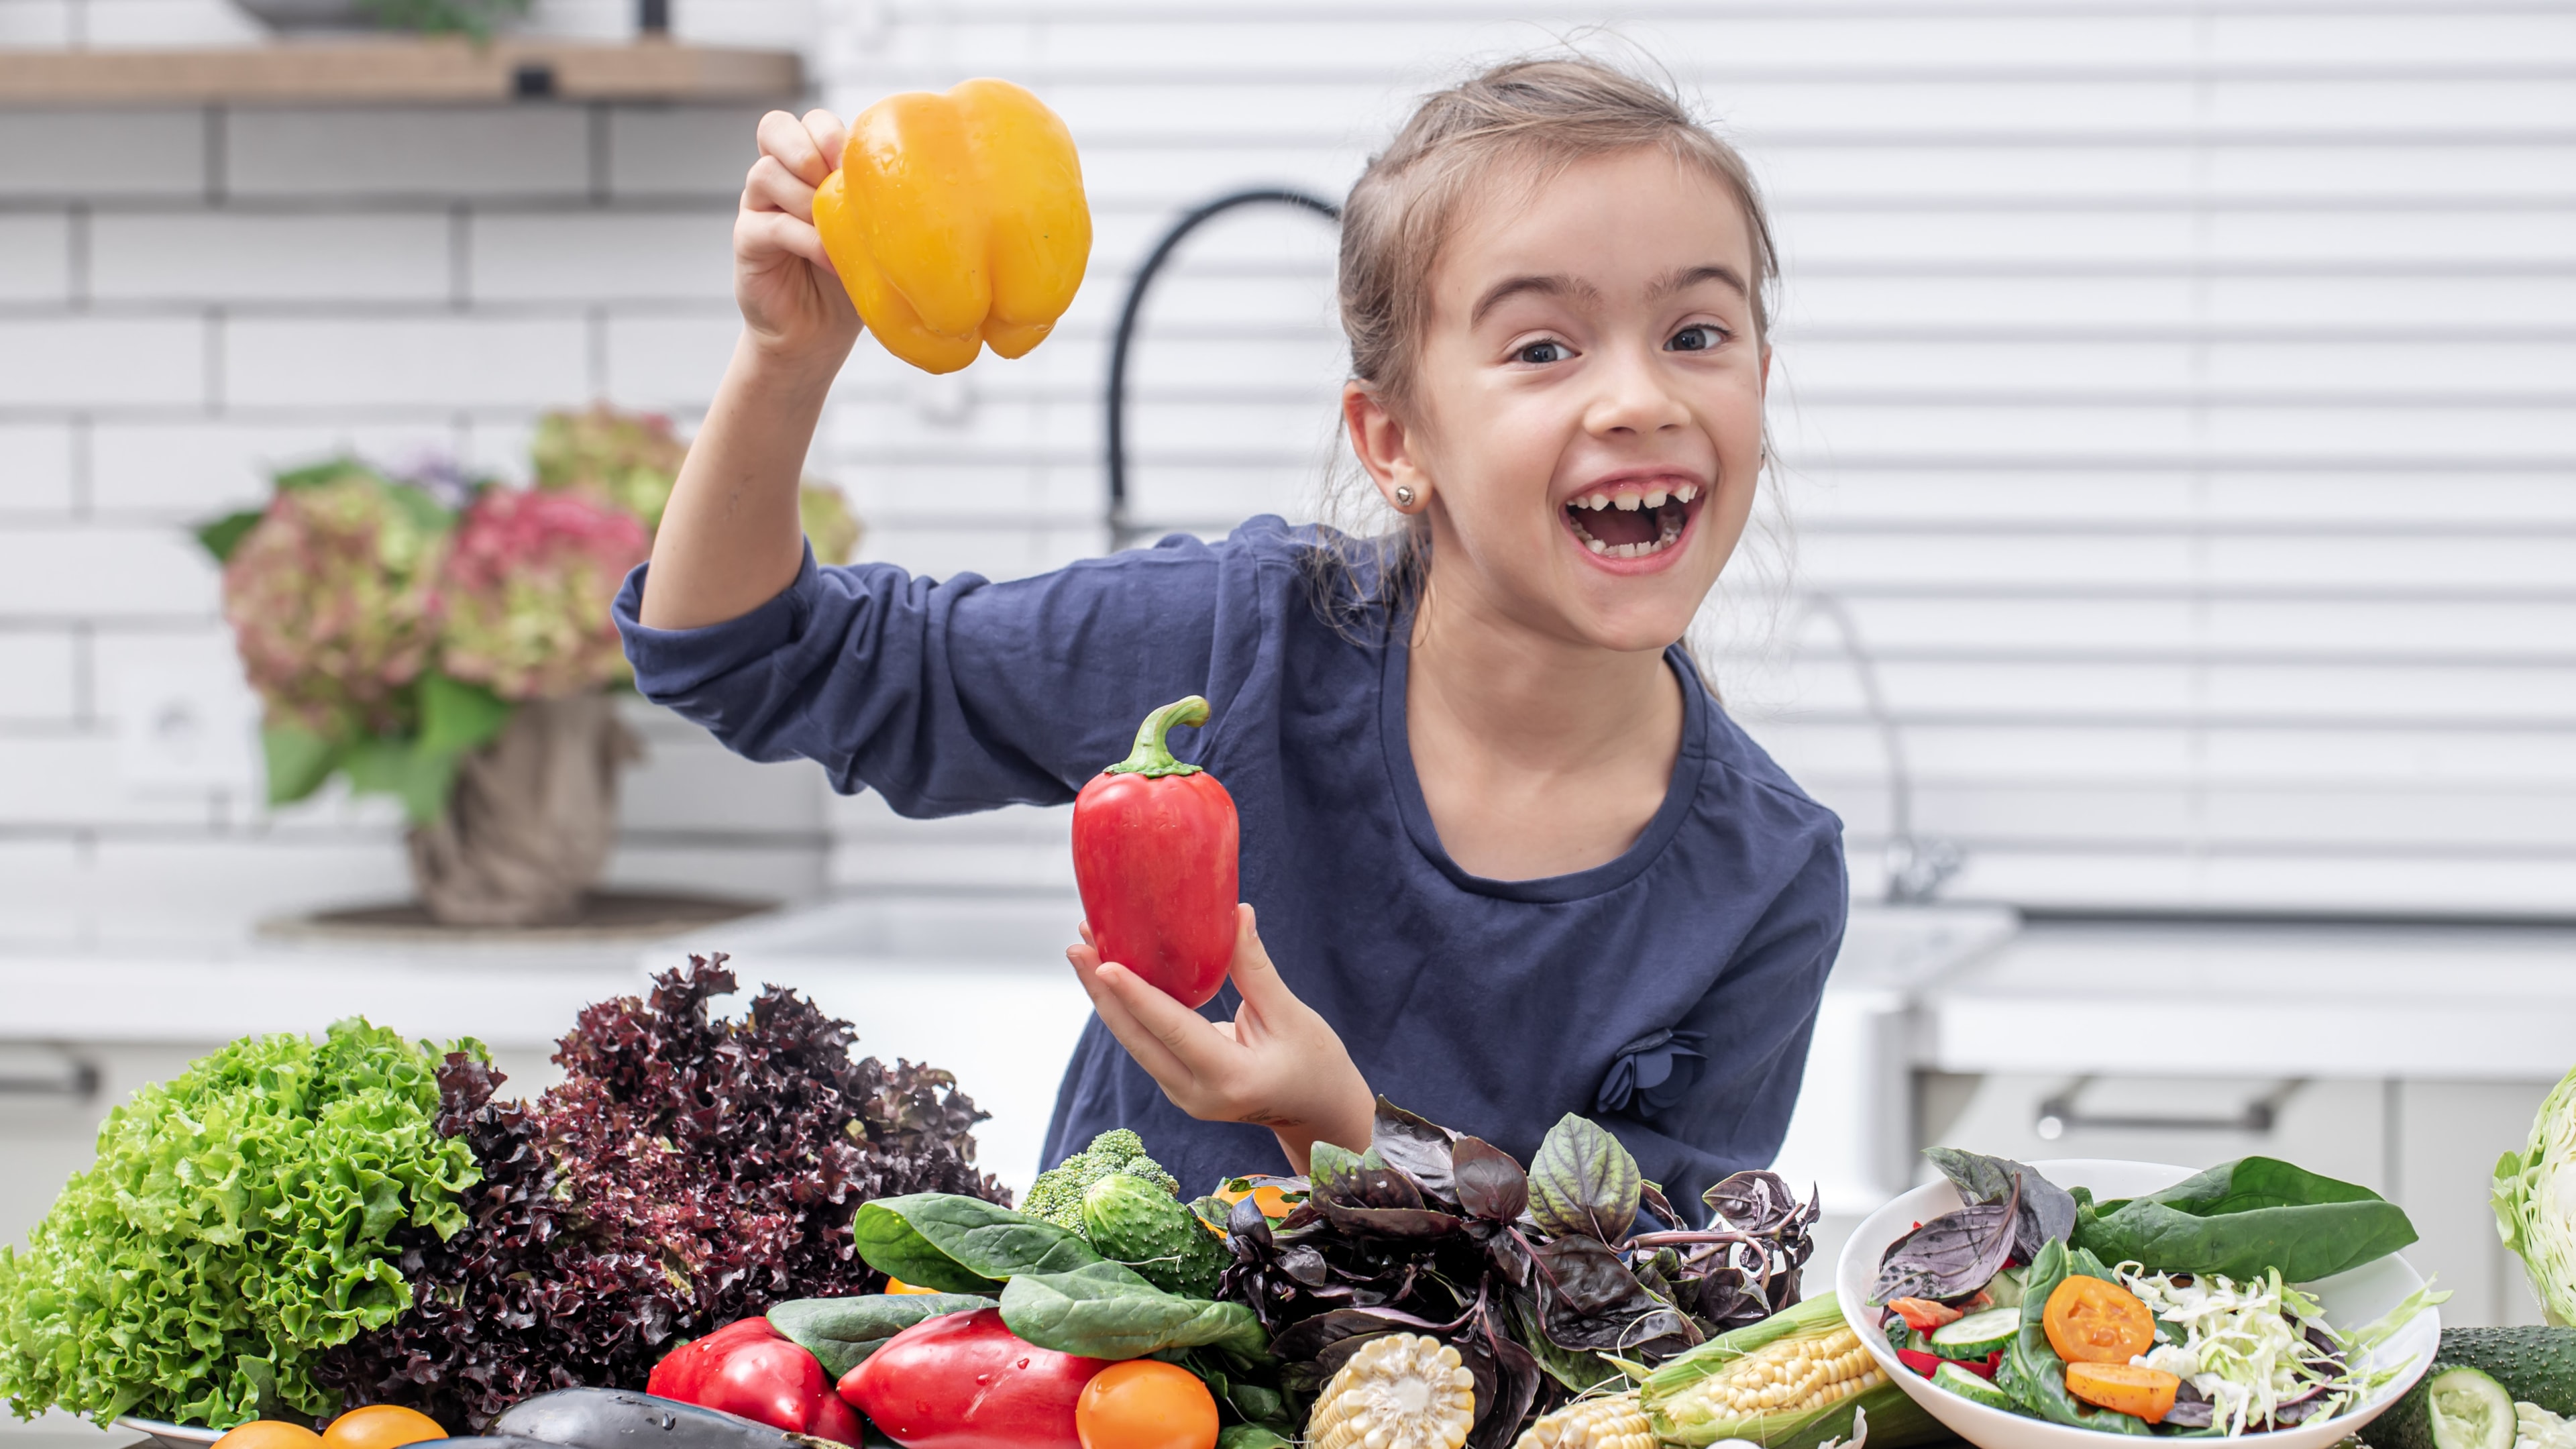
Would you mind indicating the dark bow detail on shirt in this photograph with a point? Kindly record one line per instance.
(1652, 1074)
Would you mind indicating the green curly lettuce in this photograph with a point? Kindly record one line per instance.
(233, 1227)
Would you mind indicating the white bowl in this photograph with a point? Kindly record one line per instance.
(2351, 1299)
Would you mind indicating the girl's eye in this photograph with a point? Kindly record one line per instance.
(1699, 337)
(1541, 352)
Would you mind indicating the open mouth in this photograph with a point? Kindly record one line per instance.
(1631, 520)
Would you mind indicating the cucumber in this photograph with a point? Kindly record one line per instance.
(1977, 1335)
(1976, 1390)
(2470, 1410)
(2530, 1365)
(2005, 1288)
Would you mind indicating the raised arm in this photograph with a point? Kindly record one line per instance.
(729, 539)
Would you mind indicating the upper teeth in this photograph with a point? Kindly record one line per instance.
(1630, 499)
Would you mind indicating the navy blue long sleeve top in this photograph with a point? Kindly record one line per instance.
(1669, 993)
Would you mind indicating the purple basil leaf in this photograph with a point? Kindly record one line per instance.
(1391, 1222)
(1490, 1182)
(1583, 1181)
(1589, 1300)
(2047, 1210)
(1420, 1149)
(1516, 1384)
(1955, 1254)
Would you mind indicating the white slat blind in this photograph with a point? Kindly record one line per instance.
(2178, 401)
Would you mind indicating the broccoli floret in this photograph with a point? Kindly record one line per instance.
(1056, 1196)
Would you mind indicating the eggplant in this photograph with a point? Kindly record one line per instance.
(625, 1419)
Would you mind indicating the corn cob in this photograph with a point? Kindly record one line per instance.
(1616, 1422)
(1403, 1391)
(1794, 1380)
(1788, 1376)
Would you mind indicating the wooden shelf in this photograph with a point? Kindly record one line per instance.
(437, 70)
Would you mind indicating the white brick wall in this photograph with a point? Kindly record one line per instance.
(190, 299)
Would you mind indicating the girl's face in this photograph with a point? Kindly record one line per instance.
(1585, 424)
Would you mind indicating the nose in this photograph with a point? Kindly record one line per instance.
(1633, 396)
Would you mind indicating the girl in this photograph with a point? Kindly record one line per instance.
(1511, 858)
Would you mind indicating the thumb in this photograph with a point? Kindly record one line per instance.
(1254, 975)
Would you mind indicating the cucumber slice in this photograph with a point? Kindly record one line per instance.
(1970, 1387)
(1978, 1334)
(2470, 1410)
(2006, 1288)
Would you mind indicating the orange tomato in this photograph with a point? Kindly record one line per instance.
(897, 1285)
(269, 1434)
(2127, 1388)
(1145, 1404)
(380, 1426)
(2090, 1321)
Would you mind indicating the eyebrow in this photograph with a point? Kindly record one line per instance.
(1689, 277)
(1552, 285)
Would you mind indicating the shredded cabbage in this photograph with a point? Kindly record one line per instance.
(2536, 1428)
(2247, 1347)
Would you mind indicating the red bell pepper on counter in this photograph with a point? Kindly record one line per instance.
(1154, 844)
(965, 1381)
(751, 1369)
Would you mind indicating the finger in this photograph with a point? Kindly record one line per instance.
(760, 236)
(790, 142)
(1188, 1036)
(1253, 973)
(1089, 939)
(770, 187)
(829, 136)
(1116, 1012)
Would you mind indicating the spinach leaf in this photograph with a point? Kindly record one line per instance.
(2241, 1218)
(1584, 1182)
(2032, 1372)
(1953, 1255)
(958, 1244)
(842, 1332)
(1250, 1436)
(1106, 1310)
(2047, 1210)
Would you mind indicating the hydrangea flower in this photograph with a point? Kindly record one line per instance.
(332, 600)
(626, 459)
(526, 589)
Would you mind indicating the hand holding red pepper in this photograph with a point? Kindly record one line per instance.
(1277, 1064)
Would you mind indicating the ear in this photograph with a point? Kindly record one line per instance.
(1384, 446)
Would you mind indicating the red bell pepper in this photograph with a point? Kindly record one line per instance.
(965, 1381)
(751, 1369)
(1154, 844)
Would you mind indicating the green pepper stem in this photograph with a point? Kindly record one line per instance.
(1152, 758)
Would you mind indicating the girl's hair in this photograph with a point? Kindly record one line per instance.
(1522, 121)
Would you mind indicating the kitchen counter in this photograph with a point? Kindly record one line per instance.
(2456, 1002)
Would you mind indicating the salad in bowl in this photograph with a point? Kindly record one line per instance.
(2038, 1306)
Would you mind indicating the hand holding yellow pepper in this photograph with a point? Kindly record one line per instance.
(957, 220)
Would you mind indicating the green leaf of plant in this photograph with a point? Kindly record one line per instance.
(1584, 1181)
(1106, 1310)
(2241, 1218)
(955, 1244)
(456, 716)
(842, 1332)
(398, 767)
(1250, 1436)
(298, 761)
(225, 534)
(2031, 1371)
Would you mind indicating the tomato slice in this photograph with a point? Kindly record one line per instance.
(2091, 1321)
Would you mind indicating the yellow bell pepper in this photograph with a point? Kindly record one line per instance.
(957, 220)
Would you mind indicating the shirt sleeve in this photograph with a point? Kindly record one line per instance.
(1754, 1026)
(944, 696)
